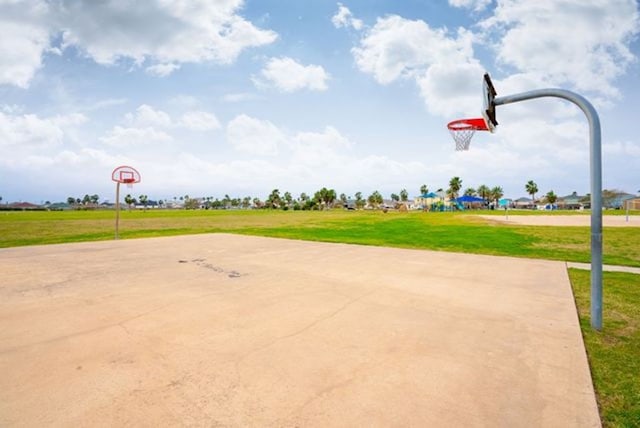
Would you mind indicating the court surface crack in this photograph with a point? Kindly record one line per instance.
(307, 327)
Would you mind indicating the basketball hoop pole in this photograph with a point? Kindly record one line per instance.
(123, 174)
(595, 145)
(117, 207)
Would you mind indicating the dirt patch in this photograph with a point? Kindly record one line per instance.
(564, 220)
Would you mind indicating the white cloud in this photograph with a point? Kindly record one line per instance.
(450, 89)
(123, 137)
(25, 37)
(254, 136)
(166, 32)
(146, 115)
(442, 65)
(344, 18)
(316, 159)
(288, 75)
(26, 131)
(329, 146)
(624, 148)
(240, 97)
(170, 31)
(477, 5)
(583, 44)
(200, 121)
(396, 47)
(150, 124)
(106, 103)
(162, 70)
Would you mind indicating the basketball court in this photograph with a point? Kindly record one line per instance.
(225, 330)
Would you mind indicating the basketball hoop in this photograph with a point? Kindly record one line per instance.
(123, 175)
(462, 131)
(126, 175)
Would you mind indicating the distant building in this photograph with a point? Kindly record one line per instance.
(22, 206)
(632, 203)
(619, 201)
(524, 203)
(58, 206)
(570, 202)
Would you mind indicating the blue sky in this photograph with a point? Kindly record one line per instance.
(208, 98)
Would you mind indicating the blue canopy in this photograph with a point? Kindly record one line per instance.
(430, 195)
(469, 199)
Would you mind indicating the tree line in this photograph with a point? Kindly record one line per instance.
(327, 198)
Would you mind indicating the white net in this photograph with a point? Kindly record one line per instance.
(462, 137)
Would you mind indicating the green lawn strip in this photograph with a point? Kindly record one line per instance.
(614, 353)
(435, 231)
(621, 246)
(409, 232)
(458, 232)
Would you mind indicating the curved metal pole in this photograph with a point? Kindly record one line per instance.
(595, 146)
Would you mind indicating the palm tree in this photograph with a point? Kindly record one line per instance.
(404, 195)
(424, 189)
(288, 198)
(375, 199)
(470, 191)
(359, 201)
(497, 193)
(455, 184)
(273, 201)
(532, 189)
(143, 200)
(484, 191)
(325, 197)
(551, 197)
(129, 200)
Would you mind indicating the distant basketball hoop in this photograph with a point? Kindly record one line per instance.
(123, 175)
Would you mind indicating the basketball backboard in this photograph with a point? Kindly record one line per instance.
(125, 174)
(489, 106)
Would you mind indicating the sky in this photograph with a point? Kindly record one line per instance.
(231, 97)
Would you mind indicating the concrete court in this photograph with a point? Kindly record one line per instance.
(225, 330)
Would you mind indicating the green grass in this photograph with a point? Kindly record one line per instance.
(614, 353)
(434, 231)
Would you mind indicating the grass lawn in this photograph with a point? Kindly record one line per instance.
(433, 231)
(614, 353)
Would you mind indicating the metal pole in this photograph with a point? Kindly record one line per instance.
(117, 207)
(628, 205)
(595, 145)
